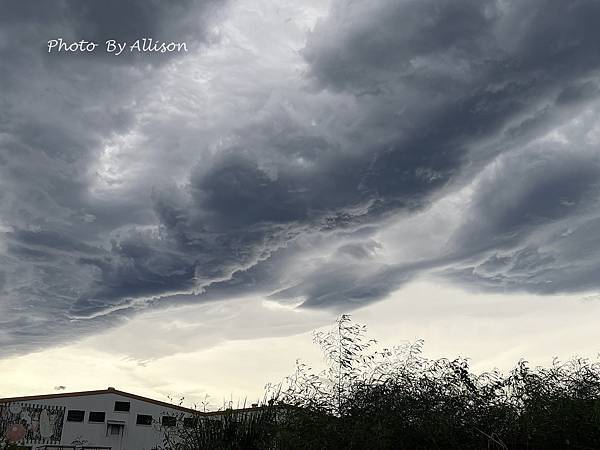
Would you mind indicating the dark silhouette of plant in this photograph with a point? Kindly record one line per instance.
(369, 398)
(231, 429)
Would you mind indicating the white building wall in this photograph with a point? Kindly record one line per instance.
(135, 437)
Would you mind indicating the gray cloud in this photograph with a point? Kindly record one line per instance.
(523, 192)
(57, 115)
(118, 188)
(532, 225)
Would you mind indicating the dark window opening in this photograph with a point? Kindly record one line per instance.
(169, 421)
(75, 415)
(122, 406)
(97, 416)
(114, 429)
(143, 419)
(190, 422)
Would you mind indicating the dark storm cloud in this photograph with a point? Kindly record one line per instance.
(441, 76)
(178, 20)
(56, 116)
(526, 191)
(365, 47)
(33, 24)
(444, 87)
(451, 85)
(565, 262)
(532, 224)
(403, 102)
(343, 283)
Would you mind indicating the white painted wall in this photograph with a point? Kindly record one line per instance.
(135, 437)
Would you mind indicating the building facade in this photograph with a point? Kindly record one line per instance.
(93, 420)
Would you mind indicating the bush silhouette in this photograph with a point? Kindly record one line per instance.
(399, 399)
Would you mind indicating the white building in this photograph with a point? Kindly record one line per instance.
(106, 419)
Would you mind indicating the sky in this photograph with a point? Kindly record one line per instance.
(178, 223)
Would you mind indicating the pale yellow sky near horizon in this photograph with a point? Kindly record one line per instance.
(231, 349)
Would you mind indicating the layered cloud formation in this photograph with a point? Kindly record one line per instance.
(316, 162)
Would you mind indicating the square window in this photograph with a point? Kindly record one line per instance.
(122, 406)
(143, 419)
(115, 429)
(190, 422)
(97, 416)
(169, 421)
(75, 415)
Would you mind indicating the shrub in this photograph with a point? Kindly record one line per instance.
(398, 399)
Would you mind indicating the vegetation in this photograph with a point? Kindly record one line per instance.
(5, 445)
(252, 428)
(399, 399)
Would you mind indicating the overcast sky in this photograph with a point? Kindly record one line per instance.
(179, 221)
